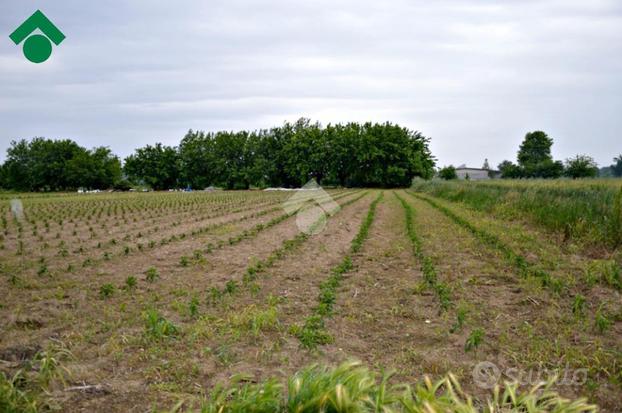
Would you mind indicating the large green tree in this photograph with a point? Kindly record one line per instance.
(535, 159)
(156, 166)
(54, 165)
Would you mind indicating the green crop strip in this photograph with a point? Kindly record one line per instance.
(313, 332)
(288, 245)
(427, 266)
(250, 233)
(524, 268)
(255, 269)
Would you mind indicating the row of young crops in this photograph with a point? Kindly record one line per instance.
(250, 293)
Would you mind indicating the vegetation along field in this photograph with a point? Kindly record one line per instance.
(409, 300)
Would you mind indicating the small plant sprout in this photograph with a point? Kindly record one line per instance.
(578, 305)
(231, 287)
(193, 307)
(152, 274)
(184, 261)
(213, 295)
(130, 282)
(474, 340)
(106, 290)
(158, 327)
(461, 315)
(602, 321)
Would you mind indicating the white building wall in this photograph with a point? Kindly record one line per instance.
(474, 174)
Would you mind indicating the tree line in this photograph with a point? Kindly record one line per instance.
(534, 160)
(56, 165)
(352, 154)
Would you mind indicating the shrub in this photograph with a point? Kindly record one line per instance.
(448, 173)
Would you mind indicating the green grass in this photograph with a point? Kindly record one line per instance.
(525, 269)
(14, 398)
(352, 388)
(585, 210)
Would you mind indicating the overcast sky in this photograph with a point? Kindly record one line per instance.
(473, 75)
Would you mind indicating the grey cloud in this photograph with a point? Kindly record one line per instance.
(473, 75)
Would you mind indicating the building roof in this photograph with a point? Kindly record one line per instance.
(465, 168)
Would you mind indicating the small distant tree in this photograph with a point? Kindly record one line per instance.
(616, 168)
(509, 170)
(536, 148)
(581, 166)
(448, 173)
(534, 157)
(486, 165)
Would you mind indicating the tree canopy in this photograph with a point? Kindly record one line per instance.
(534, 159)
(448, 173)
(352, 154)
(55, 165)
(581, 166)
(155, 166)
(378, 155)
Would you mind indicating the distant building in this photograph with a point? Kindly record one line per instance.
(476, 174)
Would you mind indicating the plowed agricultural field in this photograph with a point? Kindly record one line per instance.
(171, 301)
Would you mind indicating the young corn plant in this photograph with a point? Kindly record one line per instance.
(461, 315)
(474, 340)
(130, 282)
(152, 274)
(312, 332)
(106, 291)
(430, 277)
(157, 327)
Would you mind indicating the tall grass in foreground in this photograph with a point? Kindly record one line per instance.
(351, 388)
(588, 211)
